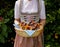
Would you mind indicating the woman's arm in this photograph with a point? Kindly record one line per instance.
(43, 22)
(42, 14)
(16, 12)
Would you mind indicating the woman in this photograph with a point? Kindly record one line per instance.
(29, 8)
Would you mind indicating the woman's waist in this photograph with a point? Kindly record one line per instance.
(29, 13)
(29, 18)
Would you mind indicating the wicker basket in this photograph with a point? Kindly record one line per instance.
(24, 34)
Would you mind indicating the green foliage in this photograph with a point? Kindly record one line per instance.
(52, 28)
(53, 25)
(6, 20)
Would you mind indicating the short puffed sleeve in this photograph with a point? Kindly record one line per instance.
(42, 10)
(16, 10)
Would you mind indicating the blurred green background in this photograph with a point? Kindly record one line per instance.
(51, 30)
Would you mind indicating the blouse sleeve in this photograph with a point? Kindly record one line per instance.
(42, 11)
(16, 10)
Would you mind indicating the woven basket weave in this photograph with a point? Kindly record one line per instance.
(24, 34)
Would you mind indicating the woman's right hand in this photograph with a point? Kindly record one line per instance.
(17, 21)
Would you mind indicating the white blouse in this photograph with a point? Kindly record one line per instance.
(29, 7)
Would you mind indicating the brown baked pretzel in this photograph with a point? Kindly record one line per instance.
(31, 26)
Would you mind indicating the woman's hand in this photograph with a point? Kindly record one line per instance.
(42, 24)
(17, 21)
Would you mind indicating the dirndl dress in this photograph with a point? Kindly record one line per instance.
(30, 41)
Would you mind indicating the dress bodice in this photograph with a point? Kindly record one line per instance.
(29, 18)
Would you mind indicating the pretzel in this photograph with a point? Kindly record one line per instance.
(31, 26)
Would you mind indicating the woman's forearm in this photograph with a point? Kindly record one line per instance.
(43, 22)
(18, 20)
